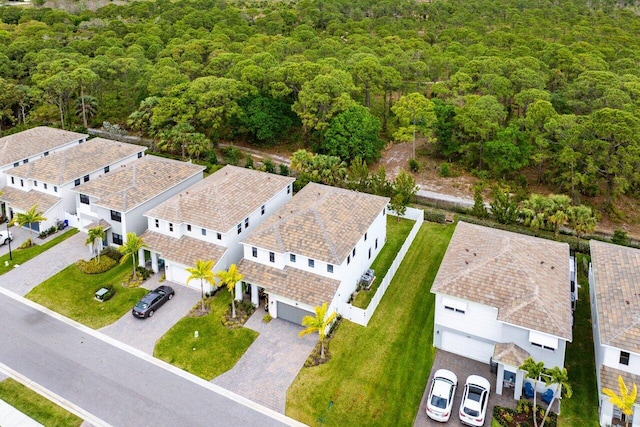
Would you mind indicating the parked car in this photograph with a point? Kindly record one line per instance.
(5, 237)
(475, 398)
(153, 301)
(443, 390)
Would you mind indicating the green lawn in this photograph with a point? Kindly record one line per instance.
(71, 293)
(215, 351)
(377, 374)
(582, 408)
(23, 255)
(37, 407)
(397, 232)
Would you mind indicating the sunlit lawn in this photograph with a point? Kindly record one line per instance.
(20, 256)
(377, 374)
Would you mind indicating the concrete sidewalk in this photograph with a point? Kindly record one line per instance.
(11, 417)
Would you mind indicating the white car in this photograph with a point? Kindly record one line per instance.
(475, 399)
(443, 390)
(5, 237)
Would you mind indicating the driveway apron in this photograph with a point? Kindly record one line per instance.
(265, 372)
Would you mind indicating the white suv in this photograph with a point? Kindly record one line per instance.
(5, 237)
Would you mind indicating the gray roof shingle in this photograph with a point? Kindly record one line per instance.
(609, 379)
(25, 200)
(22, 145)
(185, 250)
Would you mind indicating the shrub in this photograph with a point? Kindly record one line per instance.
(111, 291)
(284, 169)
(49, 231)
(414, 166)
(26, 244)
(231, 155)
(620, 237)
(445, 170)
(144, 272)
(434, 216)
(94, 267)
(212, 157)
(248, 163)
(269, 166)
(267, 318)
(112, 253)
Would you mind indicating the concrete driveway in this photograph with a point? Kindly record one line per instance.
(462, 367)
(144, 333)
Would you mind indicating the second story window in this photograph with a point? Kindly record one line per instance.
(35, 183)
(254, 252)
(272, 257)
(106, 169)
(117, 239)
(246, 223)
(262, 210)
(116, 216)
(312, 263)
(76, 182)
(22, 183)
(171, 226)
(140, 155)
(203, 231)
(45, 185)
(86, 178)
(329, 268)
(55, 188)
(624, 358)
(84, 199)
(239, 228)
(16, 164)
(188, 227)
(219, 236)
(157, 223)
(25, 161)
(13, 180)
(292, 257)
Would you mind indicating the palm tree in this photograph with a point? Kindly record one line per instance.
(29, 217)
(533, 371)
(203, 272)
(86, 107)
(95, 234)
(559, 377)
(560, 205)
(318, 324)
(130, 249)
(624, 400)
(582, 220)
(229, 279)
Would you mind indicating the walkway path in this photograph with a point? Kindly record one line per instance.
(267, 369)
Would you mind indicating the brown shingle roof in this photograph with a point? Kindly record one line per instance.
(25, 200)
(185, 250)
(129, 186)
(526, 278)
(320, 222)
(22, 145)
(65, 166)
(609, 379)
(616, 273)
(222, 200)
(292, 283)
(509, 354)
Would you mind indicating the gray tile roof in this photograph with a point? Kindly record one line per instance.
(298, 285)
(22, 145)
(526, 278)
(75, 162)
(185, 250)
(99, 223)
(509, 354)
(616, 273)
(609, 379)
(25, 200)
(320, 222)
(129, 186)
(222, 200)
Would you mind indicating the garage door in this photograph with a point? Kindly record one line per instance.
(292, 314)
(467, 347)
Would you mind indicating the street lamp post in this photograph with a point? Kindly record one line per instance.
(9, 237)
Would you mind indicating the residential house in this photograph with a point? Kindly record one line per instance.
(502, 297)
(118, 200)
(313, 250)
(47, 182)
(614, 285)
(207, 220)
(29, 145)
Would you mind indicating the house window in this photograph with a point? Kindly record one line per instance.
(117, 239)
(544, 341)
(369, 253)
(246, 223)
(376, 243)
(354, 252)
(203, 231)
(106, 169)
(454, 305)
(171, 226)
(262, 210)
(254, 252)
(76, 182)
(16, 164)
(624, 358)
(157, 223)
(312, 263)
(188, 227)
(116, 216)
(35, 183)
(365, 237)
(292, 257)
(22, 183)
(219, 236)
(25, 161)
(13, 181)
(239, 228)
(384, 211)
(288, 189)
(139, 154)
(86, 178)
(348, 259)
(84, 199)
(329, 268)
(46, 153)
(45, 186)
(55, 188)
(272, 257)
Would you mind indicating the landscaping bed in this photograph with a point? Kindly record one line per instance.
(522, 416)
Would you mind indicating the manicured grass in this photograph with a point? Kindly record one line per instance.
(71, 293)
(20, 256)
(397, 232)
(37, 407)
(217, 348)
(582, 408)
(377, 374)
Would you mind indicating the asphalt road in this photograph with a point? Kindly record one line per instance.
(119, 386)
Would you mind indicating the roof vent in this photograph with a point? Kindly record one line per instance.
(466, 262)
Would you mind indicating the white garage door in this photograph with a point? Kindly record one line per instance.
(467, 347)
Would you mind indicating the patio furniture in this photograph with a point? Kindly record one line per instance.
(547, 396)
(528, 390)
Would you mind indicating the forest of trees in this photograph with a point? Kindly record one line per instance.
(496, 86)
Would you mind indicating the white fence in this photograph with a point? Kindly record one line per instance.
(362, 316)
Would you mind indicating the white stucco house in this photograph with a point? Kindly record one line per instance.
(207, 220)
(47, 182)
(313, 250)
(29, 145)
(614, 285)
(118, 200)
(502, 297)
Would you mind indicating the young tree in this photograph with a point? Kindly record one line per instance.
(130, 249)
(582, 220)
(29, 217)
(318, 323)
(229, 279)
(202, 271)
(625, 400)
(95, 234)
(416, 115)
(559, 378)
(353, 133)
(404, 191)
(504, 209)
(533, 371)
(559, 213)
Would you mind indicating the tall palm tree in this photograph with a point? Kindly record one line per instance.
(29, 217)
(318, 324)
(559, 377)
(533, 371)
(95, 234)
(625, 400)
(229, 279)
(203, 271)
(130, 249)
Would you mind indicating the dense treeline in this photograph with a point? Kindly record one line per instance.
(495, 85)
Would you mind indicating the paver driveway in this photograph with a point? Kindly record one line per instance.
(265, 372)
